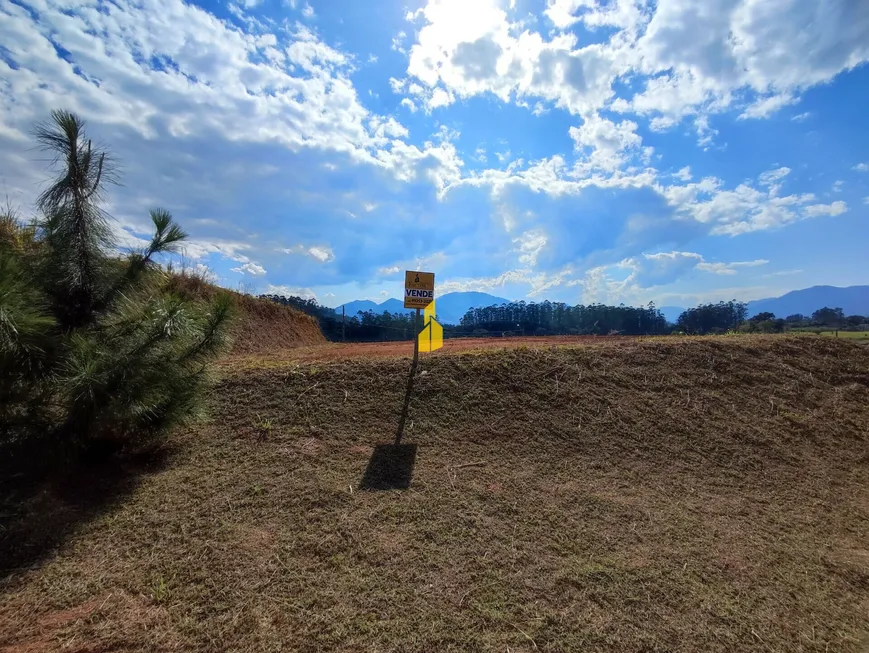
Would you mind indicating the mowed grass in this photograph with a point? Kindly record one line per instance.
(665, 495)
(862, 336)
(858, 336)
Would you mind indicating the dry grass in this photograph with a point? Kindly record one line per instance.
(661, 495)
(848, 335)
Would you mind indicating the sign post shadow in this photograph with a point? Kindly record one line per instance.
(391, 465)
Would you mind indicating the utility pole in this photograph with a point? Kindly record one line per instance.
(343, 332)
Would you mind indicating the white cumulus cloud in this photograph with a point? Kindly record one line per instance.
(250, 268)
(631, 279)
(529, 245)
(387, 271)
(696, 58)
(836, 208)
(290, 291)
(321, 253)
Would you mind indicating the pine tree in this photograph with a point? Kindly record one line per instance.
(94, 345)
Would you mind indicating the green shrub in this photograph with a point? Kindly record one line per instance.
(94, 345)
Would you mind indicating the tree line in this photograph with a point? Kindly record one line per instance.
(712, 318)
(556, 318)
(824, 319)
(518, 318)
(366, 326)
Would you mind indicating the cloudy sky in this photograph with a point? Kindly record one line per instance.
(575, 150)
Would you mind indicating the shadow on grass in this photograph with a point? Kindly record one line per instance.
(40, 510)
(390, 467)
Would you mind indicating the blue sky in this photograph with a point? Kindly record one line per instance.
(574, 150)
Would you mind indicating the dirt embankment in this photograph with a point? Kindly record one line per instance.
(263, 326)
(671, 494)
(260, 326)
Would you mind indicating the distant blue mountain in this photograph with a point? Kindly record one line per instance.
(392, 306)
(853, 300)
(358, 305)
(451, 306)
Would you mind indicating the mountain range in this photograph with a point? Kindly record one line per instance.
(853, 300)
(451, 306)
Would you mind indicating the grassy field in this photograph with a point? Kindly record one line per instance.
(672, 494)
(859, 336)
(849, 335)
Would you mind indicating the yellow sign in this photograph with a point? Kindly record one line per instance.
(429, 312)
(432, 335)
(418, 289)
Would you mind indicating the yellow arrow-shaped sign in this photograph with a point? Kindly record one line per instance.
(432, 335)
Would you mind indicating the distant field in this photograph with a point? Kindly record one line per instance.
(850, 335)
(348, 350)
(668, 494)
(344, 350)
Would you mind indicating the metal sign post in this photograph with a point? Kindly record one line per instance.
(419, 293)
(409, 388)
